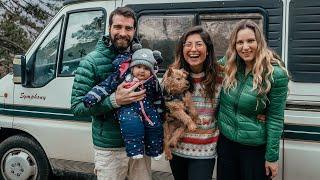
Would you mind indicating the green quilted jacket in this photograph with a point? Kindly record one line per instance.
(237, 118)
(96, 66)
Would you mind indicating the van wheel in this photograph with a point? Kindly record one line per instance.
(23, 159)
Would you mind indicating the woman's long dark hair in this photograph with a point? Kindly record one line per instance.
(209, 66)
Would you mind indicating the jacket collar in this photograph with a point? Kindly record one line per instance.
(171, 97)
(240, 64)
(105, 46)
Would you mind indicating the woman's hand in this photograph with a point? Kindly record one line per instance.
(272, 167)
(128, 95)
(261, 117)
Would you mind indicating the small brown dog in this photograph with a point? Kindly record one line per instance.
(181, 113)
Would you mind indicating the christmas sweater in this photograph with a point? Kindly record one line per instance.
(201, 143)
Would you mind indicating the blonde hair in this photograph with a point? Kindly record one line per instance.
(262, 69)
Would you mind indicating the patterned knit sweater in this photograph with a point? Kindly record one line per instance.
(201, 143)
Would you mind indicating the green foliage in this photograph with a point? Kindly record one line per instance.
(14, 33)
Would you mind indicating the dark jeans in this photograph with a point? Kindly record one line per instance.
(192, 169)
(240, 162)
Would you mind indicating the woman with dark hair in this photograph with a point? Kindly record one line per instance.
(255, 83)
(194, 156)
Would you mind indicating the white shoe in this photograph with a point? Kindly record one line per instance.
(139, 156)
(157, 158)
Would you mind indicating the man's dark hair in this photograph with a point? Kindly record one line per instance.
(123, 11)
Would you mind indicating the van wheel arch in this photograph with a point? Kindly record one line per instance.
(22, 155)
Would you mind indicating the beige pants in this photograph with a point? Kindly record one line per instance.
(140, 169)
(115, 165)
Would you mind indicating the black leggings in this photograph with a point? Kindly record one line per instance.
(240, 162)
(192, 169)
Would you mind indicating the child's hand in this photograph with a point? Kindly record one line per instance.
(131, 83)
(128, 95)
(127, 85)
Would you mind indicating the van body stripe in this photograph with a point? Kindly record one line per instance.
(41, 112)
(298, 132)
(302, 132)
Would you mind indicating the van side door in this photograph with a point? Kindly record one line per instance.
(42, 106)
(302, 123)
(160, 25)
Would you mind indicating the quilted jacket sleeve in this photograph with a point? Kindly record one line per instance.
(84, 81)
(275, 113)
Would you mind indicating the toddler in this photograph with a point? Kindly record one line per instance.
(140, 122)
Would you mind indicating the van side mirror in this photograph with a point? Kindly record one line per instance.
(19, 69)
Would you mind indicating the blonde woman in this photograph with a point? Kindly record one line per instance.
(255, 83)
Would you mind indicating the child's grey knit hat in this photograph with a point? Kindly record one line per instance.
(146, 57)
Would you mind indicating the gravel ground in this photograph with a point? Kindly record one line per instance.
(156, 175)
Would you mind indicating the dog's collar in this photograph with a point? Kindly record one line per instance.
(171, 97)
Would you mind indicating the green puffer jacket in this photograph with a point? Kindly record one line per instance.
(96, 66)
(237, 118)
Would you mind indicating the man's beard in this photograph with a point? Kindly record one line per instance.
(121, 43)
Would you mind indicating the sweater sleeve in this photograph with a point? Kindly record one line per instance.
(84, 81)
(275, 113)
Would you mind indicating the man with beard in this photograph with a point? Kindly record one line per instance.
(111, 162)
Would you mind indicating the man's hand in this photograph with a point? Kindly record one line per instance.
(126, 96)
(272, 167)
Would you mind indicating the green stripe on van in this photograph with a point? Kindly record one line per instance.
(291, 131)
(304, 128)
(302, 132)
(41, 112)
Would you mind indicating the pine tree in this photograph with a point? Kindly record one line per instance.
(20, 23)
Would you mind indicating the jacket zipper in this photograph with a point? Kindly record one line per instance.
(236, 102)
(242, 85)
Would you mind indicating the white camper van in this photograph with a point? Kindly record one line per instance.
(39, 134)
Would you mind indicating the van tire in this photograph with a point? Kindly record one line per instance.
(22, 157)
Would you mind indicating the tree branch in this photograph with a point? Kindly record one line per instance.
(6, 8)
(3, 43)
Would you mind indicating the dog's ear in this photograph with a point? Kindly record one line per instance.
(164, 82)
(170, 71)
(185, 72)
(164, 78)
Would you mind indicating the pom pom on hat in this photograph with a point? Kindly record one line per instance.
(136, 46)
(157, 56)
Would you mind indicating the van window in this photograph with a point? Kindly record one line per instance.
(161, 32)
(304, 41)
(220, 26)
(83, 31)
(45, 57)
